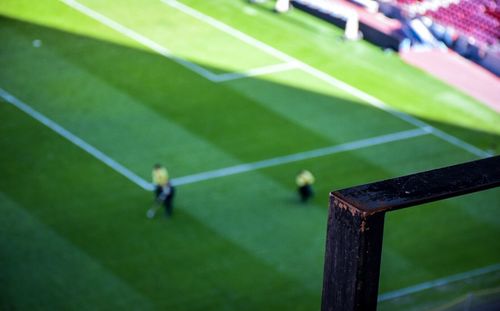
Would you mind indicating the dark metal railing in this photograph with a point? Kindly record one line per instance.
(356, 225)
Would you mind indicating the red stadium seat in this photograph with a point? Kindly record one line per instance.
(475, 18)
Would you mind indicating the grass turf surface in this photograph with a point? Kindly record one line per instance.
(75, 235)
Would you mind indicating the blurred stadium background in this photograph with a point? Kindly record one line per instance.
(234, 99)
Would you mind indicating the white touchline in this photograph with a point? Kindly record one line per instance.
(139, 38)
(242, 168)
(324, 76)
(76, 140)
(255, 72)
(439, 282)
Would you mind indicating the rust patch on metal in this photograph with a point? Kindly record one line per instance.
(363, 227)
(349, 207)
(346, 206)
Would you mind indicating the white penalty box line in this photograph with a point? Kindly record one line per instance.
(289, 63)
(162, 50)
(247, 167)
(237, 169)
(325, 77)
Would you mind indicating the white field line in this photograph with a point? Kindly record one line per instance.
(324, 76)
(242, 168)
(167, 53)
(76, 140)
(139, 38)
(237, 169)
(439, 282)
(255, 72)
(229, 30)
(468, 297)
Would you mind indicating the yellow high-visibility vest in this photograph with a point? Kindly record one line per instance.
(160, 176)
(304, 178)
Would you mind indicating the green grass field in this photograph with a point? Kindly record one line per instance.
(73, 231)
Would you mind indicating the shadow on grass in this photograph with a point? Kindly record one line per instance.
(250, 119)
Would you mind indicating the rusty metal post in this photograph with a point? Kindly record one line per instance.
(354, 247)
(356, 225)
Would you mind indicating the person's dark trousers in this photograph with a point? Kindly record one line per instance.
(305, 192)
(158, 191)
(169, 202)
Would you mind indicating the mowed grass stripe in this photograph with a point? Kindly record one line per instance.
(181, 264)
(318, 107)
(139, 145)
(57, 274)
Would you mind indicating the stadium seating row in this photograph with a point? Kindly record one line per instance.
(479, 19)
(470, 27)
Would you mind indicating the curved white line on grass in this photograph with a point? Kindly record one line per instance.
(242, 168)
(324, 76)
(75, 140)
(439, 282)
(139, 38)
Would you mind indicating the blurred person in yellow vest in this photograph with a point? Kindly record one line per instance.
(164, 191)
(304, 181)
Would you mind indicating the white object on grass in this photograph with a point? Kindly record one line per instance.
(352, 27)
(282, 6)
(151, 213)
(37, 43)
